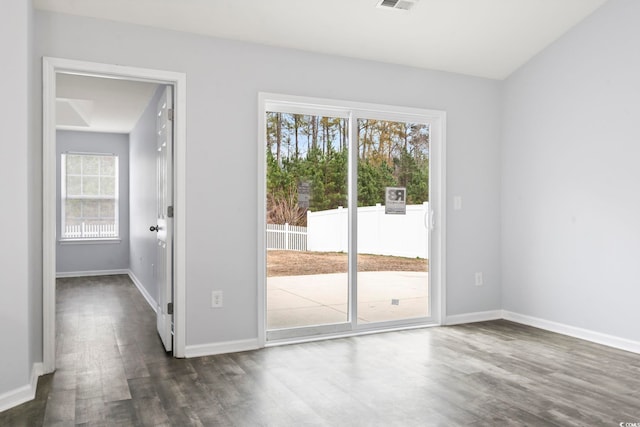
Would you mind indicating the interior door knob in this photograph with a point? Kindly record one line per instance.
(154, 228)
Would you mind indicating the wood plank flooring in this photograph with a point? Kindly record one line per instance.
(112, 370)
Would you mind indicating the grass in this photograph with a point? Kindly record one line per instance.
(296, 263)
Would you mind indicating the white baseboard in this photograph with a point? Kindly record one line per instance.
(221, 348)
(90, 273)
(479, 316)
(143, 291)
(572, 331)
(23, 394)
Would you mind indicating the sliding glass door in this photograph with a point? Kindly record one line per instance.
(393, 206)
(306, 229)
(348, 218)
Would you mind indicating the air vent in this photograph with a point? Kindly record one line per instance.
(396, 4)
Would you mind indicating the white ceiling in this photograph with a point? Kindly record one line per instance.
(485, 38)
(96, 104)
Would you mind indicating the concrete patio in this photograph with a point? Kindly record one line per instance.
(295, 301)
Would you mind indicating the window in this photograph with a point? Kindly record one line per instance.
(89, 192)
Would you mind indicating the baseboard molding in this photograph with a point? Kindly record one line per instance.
(572, 331)
(479, 316)
(221, 348)
(64, 274)
(23, 394)
(143, 291)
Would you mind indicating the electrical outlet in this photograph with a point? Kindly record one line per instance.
(479, 279)
(216, 299)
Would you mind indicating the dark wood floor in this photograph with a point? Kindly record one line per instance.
(112, 370)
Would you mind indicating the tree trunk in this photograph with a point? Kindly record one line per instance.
(278, 136)
(296, 126)
(314, 130)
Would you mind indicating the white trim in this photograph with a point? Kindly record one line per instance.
(49, 177)
(22, 394)
(90, 273)
(261, 253)
(291, 103)
(147, 296)
(438, 207)
(180, 214)
(479, 316)
(573, 331)
(353, 151)
(222, 347)
(548, 325)
(51, 66)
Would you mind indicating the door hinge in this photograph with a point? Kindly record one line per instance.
(170, 308)
(169, 113)
(169, 211)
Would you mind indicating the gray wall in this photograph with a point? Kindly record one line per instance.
(93, 256)
(224, 78)
(570, 198)
(19, 296)
(142, 192)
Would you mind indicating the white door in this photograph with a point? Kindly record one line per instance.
(164, 224)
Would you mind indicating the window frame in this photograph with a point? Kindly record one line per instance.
(64, 197)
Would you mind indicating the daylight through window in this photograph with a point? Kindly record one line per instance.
(89, 196)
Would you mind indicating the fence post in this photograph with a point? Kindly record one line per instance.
(286, 236)
(307, 239)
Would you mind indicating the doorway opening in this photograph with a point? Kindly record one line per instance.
(352, 199)
(92, 199)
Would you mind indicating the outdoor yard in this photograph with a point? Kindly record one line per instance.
(298, 263)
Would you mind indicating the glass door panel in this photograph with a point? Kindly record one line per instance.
(393, 208)
(306, 223)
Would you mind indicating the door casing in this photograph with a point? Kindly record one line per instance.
(50, 67)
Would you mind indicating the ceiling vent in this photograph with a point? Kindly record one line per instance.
(396, 4)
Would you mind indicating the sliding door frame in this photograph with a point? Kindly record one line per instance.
(437, 196)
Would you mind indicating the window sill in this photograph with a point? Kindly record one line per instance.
(90, 241)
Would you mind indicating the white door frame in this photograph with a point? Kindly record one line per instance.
(50, 67)
(437, 200)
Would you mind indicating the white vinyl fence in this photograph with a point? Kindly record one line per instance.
(378, 233)
(90, 230)
(287, 237)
